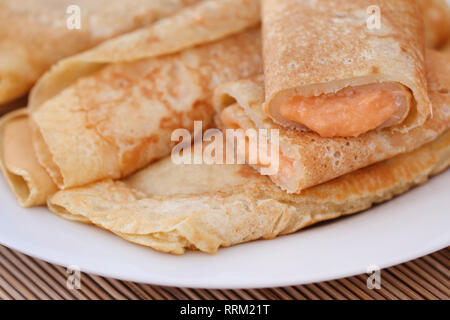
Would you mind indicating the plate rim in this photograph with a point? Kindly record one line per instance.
(207, 285)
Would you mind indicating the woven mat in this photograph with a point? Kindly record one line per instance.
(23, 277)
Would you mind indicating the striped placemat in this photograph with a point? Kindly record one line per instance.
(23, 277)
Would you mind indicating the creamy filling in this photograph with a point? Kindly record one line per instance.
(351, 111)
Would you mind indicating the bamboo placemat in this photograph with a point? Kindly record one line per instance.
(23, 277)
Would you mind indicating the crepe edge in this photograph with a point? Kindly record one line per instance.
(26, 186)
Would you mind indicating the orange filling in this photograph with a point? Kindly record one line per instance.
(351, 111)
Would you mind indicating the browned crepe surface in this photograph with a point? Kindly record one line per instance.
(436, 14)
(121, 118)
(206, 22)
(34, 33)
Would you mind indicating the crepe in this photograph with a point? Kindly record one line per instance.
(172, 208)
(119, 119)
(208, 21)
(329, 69)
(436, 15)
(28, 180)
(305, 159)
(34, 33)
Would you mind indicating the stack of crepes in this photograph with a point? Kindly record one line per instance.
(362, 113)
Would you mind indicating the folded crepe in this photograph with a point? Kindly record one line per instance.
(305, 159)
(208, 21)
(331, 70)
(27, 178)
(436, 15)
(34, 34)
(173, 91)
(117, 120)
(172, 208)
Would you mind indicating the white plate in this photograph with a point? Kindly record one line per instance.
(405, 228)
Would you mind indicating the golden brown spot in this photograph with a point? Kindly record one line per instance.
(152, 39)
(247, 172)
(172, 122)
(133, 155)
(201, 110)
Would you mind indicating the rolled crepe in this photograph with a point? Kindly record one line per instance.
(28, 180)
(436, 15)
(329, 69)
(306, 159)
(172, 208)
(34, 33)
(117, 120)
